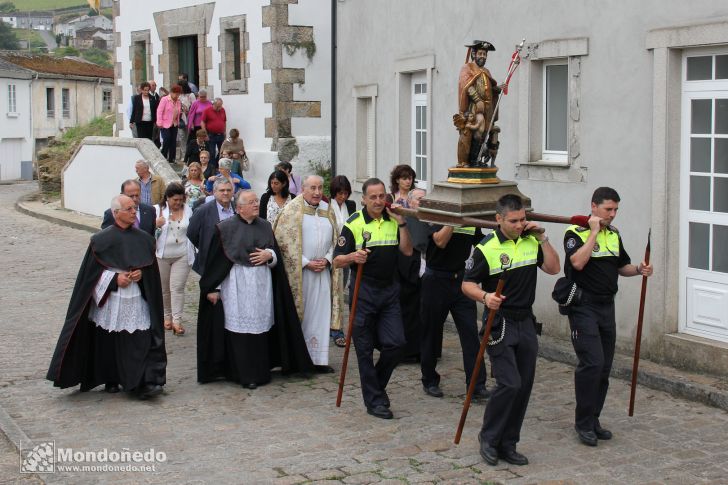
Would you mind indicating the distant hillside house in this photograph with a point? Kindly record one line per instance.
(29, 20)
(268, 60)
(66, 92)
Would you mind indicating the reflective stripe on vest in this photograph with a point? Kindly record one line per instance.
(470, 231)
(383, 232)
(519, 253)
(607, 243)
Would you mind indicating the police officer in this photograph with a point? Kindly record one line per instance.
(595, 257)
(448, 248)
(378, 319)
(513, 345)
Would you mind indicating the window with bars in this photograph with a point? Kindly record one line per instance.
(106, 100)
(50, 102)
(419, 129)
(12, 99)
(66, 102)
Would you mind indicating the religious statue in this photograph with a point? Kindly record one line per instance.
(477, 104)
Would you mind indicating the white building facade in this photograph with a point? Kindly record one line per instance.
(16, 134)
(269, 61)
(642, 108)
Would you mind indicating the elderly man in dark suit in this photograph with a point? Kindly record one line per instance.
(205, 218)
(146, 216)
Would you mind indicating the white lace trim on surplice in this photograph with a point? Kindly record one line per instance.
(247, 298)
(124, 309)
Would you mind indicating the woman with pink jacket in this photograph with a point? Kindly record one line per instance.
(168, 113)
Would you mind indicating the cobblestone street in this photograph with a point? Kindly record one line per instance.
(290, 431)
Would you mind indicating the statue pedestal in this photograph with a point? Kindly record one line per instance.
(469, 199)
(473, 175)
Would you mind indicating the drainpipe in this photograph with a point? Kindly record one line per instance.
(333, 87)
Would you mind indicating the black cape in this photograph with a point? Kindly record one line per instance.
(286, 343)
(113, 247)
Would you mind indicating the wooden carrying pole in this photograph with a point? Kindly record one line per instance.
(350, 329)
(449, 220)
(478, 360)
(638, 337)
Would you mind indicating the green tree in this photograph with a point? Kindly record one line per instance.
(7, 7)
(8, 39)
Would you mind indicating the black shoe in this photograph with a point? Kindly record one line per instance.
(433, 390)
(481, 394)
(150, 390)
(324, 369)
(589, 438)
(513, 457)
(489, 453)
(111, 388)
(252, 385)
(385, 396)
(380, 411)
(601, 433)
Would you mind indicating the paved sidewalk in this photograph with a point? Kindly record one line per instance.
(290, 431)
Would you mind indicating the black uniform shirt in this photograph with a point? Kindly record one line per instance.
(381, 263)
(599, 276)
(453, 256)
(520, 285)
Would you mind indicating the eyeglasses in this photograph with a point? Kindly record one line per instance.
(128, 209)
(251, 202)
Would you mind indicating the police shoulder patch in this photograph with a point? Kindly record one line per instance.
(353, 216)
(341, 241)
(570, 243)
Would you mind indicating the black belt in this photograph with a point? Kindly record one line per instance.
(587, 297)
(373, 281)
(515, 313)
(451, 275)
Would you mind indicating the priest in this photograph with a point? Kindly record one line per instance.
(247, 324)
(113, 333)
(306, 232)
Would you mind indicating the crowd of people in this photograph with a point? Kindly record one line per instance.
(273, 276)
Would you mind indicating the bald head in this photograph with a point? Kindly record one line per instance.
(313, 189)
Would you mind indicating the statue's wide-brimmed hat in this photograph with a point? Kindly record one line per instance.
(481, 44)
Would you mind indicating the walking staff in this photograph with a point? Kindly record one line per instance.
(352, 313)
(638, 337)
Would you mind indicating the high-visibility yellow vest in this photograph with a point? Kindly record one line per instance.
(509, 254)
(382, 232)
(607, 243)
(470, 231)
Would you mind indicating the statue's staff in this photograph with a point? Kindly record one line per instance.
(481, 354)
(515, 62)
(352, 313)
(638, 337)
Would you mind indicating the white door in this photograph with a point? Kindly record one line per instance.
(10, 155)
(704, 195)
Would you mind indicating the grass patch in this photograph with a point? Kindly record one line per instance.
(33, 5)
(32, 36)
(52, 159)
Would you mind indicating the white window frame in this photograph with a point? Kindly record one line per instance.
(66, 103)
(12, 99)
(419, 100)
(366, 133)
(553, 155)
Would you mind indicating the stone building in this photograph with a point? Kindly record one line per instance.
(618, 93)
(16, 134)
(29, 20)
(269, 60)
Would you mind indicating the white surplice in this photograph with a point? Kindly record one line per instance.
(247, 298)
(317, 243)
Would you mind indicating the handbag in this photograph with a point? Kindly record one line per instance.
(245, 163)
(566, 294)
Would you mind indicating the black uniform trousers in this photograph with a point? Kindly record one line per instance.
(377, 324)
(593, 335)
(441, 294)
(514, 366)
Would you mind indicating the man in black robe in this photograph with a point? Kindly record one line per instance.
(113, 333)
(247, 322)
